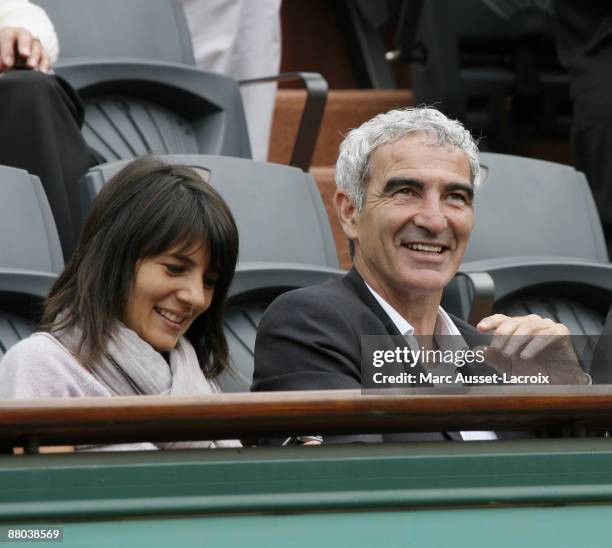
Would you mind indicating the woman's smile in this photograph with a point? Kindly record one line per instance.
(169, 292)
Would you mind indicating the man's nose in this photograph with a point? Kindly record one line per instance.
(431, 216)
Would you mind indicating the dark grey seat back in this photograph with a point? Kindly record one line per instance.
(135, 107)
(278, 209)
(254, 287)
(30, 253)
(529, 207)
(576, 316)
(144, 29)
(538, 236)
(28, 236)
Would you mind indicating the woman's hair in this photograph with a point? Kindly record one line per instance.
(148, 208)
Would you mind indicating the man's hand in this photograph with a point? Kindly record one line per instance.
(19, 48)
(527, 345)
(526, 336)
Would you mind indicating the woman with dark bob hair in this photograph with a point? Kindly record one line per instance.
(139, 307)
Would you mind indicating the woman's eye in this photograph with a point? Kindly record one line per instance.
(174, 269)
(210, 281)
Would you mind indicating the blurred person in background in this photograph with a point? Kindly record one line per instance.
(41, 113)
(584, 38)
(241, 39)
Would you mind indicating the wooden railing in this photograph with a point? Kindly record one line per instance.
(157, 418)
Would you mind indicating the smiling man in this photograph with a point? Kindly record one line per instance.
(410, 234)
(406, 182)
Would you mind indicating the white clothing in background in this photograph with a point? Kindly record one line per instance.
(241, 39)
(21, 13)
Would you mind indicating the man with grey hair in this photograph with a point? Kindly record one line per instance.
(406, 181)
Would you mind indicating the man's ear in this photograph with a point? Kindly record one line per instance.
(347, 213)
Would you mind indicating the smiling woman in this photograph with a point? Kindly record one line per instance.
(139, 308)
(169, 292)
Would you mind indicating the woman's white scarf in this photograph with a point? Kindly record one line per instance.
(130, 366)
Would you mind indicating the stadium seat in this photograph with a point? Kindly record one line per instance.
(528, 207)
(138, 29)
(28, 236)
(30, 253)
(254, 287)
(538, 236)
(132, 64)
(278, 209)
(136, 107)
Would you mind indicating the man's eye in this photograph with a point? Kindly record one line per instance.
(459, 197)
(403, 192)
(174, 269)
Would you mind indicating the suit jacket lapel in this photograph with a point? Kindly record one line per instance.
(355, 282)
(471, 335)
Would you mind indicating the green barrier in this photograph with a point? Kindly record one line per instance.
(535, 492)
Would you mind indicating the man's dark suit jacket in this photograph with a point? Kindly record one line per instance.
(310, 339)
